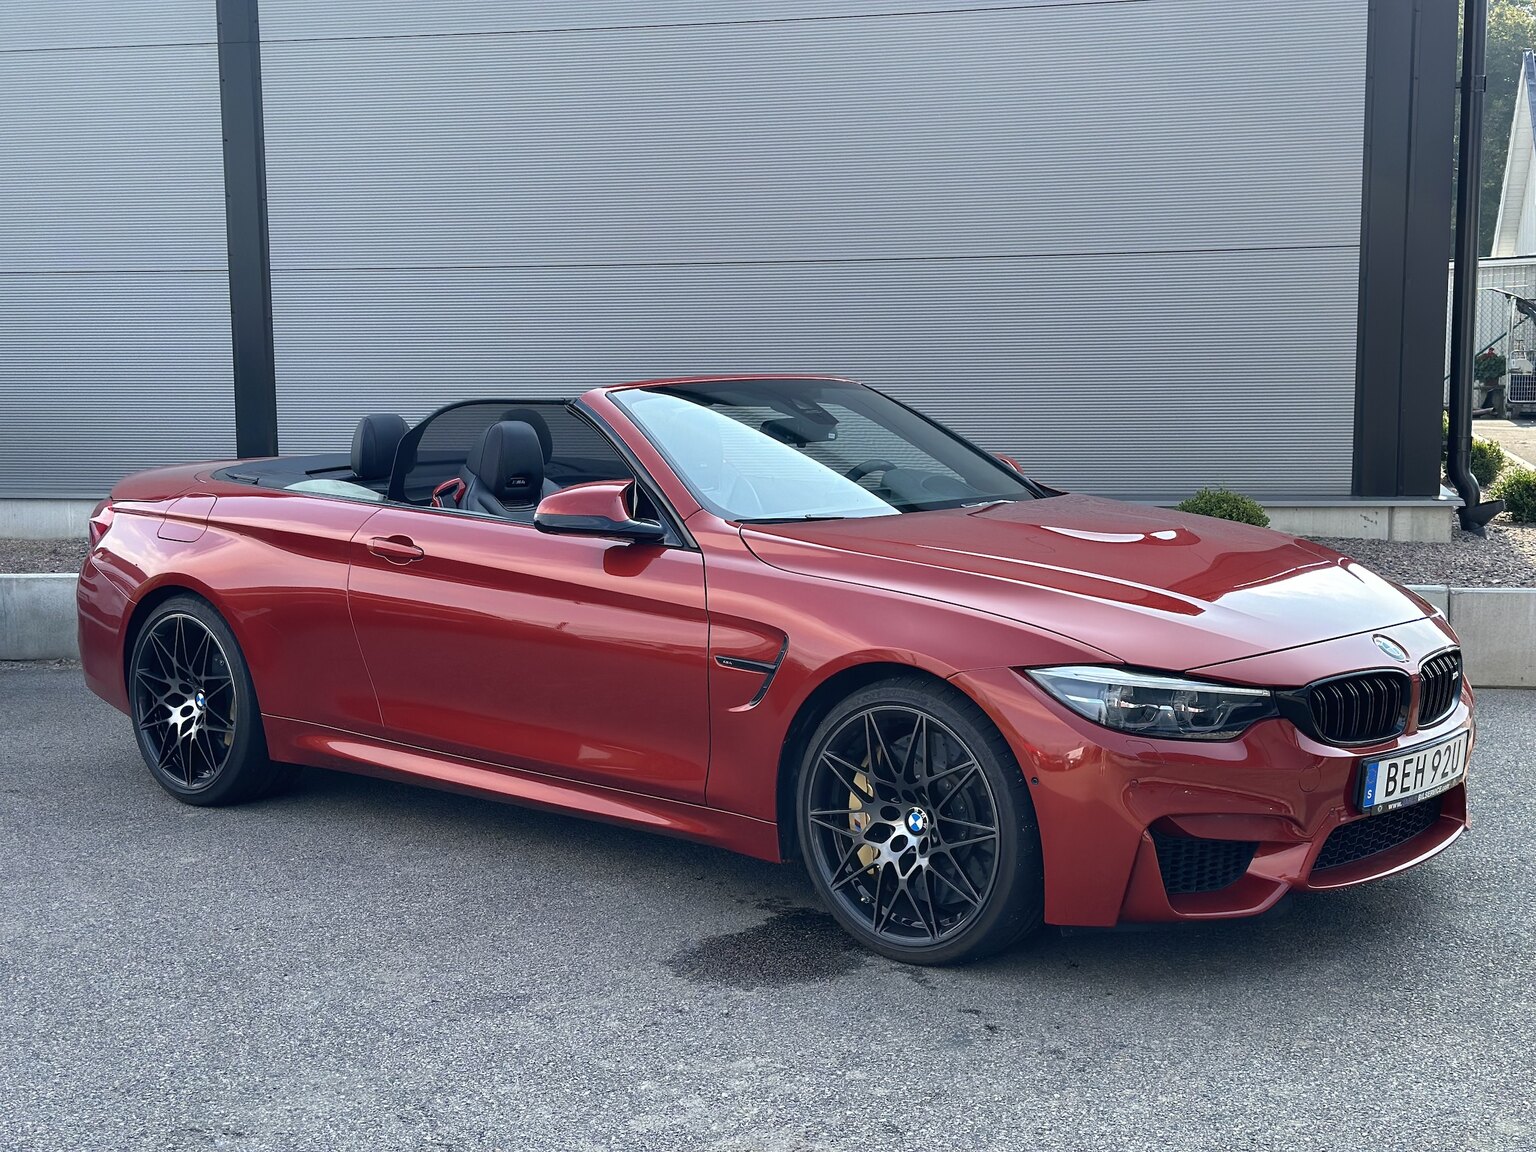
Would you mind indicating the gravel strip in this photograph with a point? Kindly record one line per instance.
(42, 555)
(1506, 559)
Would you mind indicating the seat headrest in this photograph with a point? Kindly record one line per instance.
(531, 418)
(374, 444)
(509, 460)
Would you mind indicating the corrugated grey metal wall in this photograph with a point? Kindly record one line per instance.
(114, 298)
(1119, 241)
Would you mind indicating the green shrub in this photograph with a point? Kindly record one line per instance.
(1518, 491)
(1226, 505)
(1487, 461)
(1445, 436)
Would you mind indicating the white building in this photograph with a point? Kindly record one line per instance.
(1515, 233)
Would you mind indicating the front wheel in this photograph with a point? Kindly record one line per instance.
(194, 707)
(917, 826)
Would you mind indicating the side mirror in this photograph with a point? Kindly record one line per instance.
(600, 508)
(1010, 461)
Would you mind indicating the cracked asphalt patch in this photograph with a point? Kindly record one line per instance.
(360, 964)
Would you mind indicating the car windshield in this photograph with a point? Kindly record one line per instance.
(765, 450)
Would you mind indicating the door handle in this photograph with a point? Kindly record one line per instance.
(395, 549)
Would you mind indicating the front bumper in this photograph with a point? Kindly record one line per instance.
(1240, 823)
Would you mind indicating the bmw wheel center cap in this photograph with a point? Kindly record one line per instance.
(917, 821)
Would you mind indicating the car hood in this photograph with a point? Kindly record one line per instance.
(1148, 586)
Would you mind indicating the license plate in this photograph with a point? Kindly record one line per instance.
(1413, 774)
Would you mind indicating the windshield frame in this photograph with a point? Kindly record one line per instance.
(621, 398)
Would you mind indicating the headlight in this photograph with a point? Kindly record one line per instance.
(1166, 707)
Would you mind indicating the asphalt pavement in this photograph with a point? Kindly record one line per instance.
(360, 964)
(1516, 437)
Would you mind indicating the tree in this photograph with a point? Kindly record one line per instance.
(1511, 31)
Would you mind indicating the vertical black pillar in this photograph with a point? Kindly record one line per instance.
(245, 214)
(1405, 246)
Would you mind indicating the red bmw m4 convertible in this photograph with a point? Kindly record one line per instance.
(794, 618)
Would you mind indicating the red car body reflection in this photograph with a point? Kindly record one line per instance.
(665, 687)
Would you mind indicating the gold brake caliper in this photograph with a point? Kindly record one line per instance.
(860, 819)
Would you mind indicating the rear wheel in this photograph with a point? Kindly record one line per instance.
(917, 826)
(194, 707)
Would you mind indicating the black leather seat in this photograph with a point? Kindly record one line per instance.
(374, 444)
(504, 474)
(540, 425)
(373, 459)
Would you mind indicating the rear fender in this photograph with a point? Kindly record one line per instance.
(131, 570)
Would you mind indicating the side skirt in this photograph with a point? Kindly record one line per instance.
(320, 747)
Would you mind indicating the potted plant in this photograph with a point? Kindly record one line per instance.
(1488, 371)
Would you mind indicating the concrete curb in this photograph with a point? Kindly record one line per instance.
(44, 519)
(1497, 626)
(37, 616)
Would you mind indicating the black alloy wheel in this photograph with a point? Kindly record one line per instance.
(917, 826)
(194, 708)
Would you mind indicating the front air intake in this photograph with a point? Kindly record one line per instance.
(1192, 864)
(1369, 835)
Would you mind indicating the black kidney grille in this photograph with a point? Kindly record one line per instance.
(1190, 864)
(1372, 834)
(1362, 709)
(1439, 686)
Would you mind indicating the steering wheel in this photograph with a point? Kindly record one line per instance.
(873, 464)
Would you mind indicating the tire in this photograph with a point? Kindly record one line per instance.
(194, 708)
(926, 859)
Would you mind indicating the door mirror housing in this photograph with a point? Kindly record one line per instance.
(598, 508)
(1010, 461)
